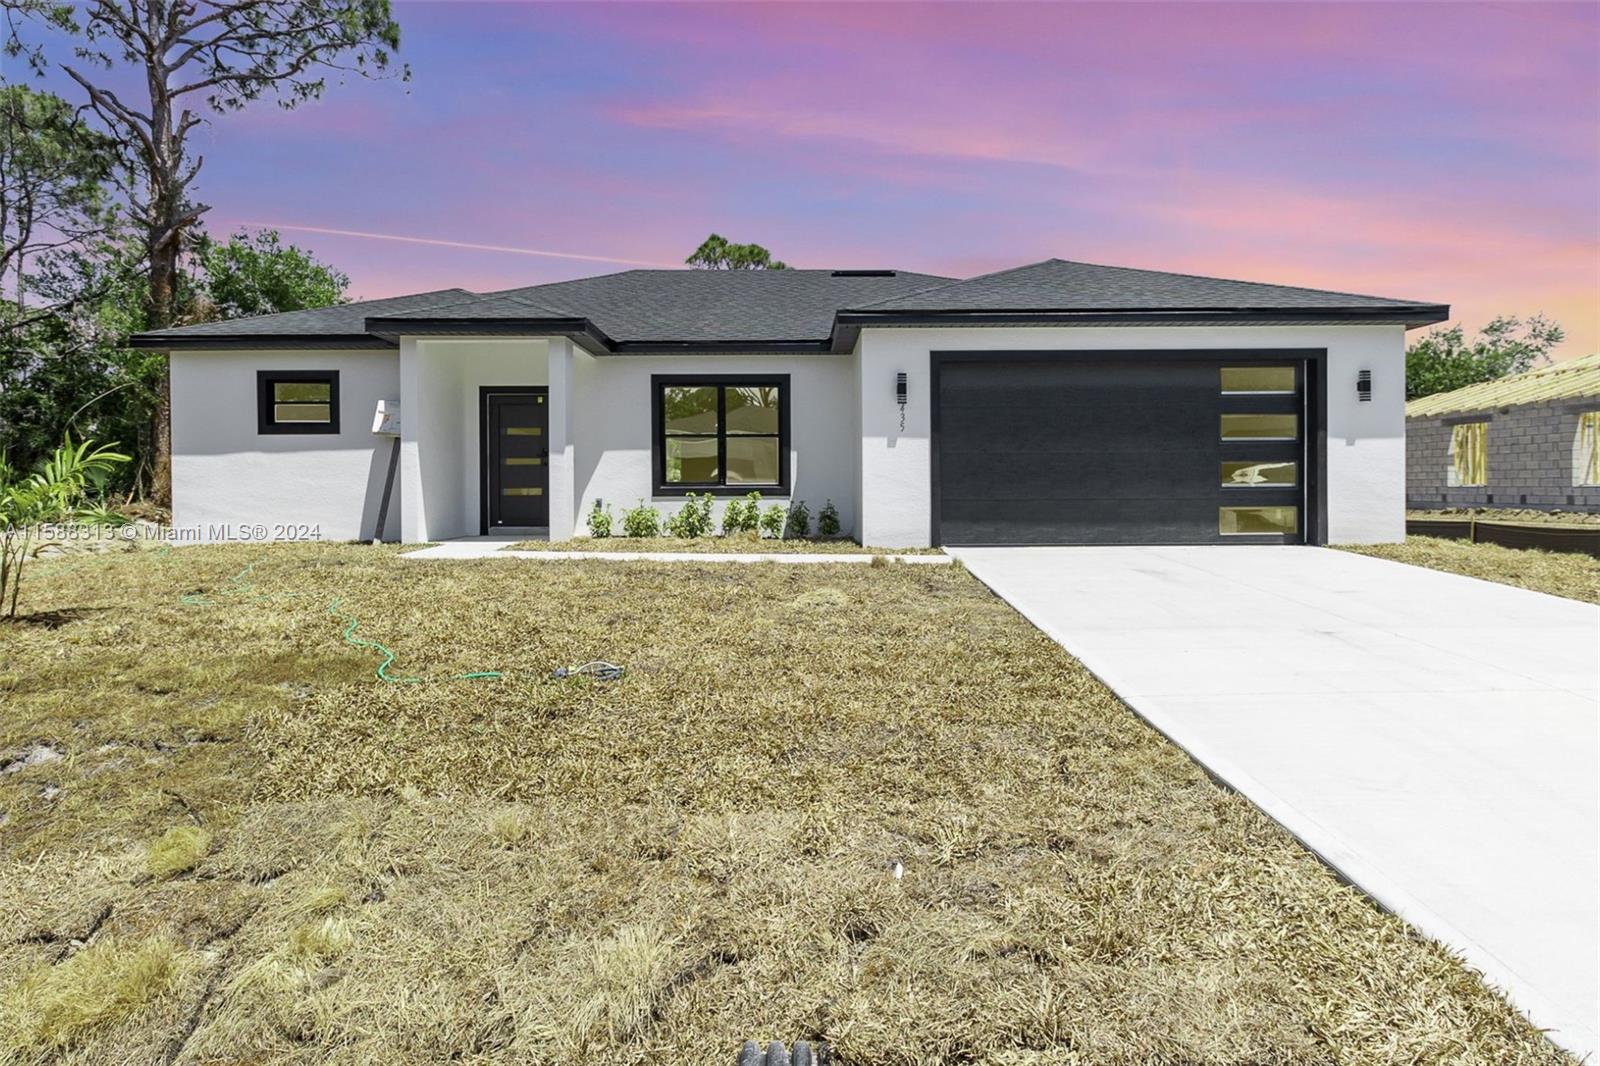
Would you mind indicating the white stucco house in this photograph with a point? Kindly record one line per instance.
(1055, 403)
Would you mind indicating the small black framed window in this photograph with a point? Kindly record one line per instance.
(297, 401)
(722, 434)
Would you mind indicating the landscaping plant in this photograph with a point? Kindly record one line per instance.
(799, 524)
(56, 493)
(600, 521)
(828, 520)
(773, 520)
(694, 519)
(641, 521)
(742, 516)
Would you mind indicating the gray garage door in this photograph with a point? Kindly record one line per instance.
(1124, 450)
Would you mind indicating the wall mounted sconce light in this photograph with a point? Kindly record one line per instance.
(900, 389)
(1364, 386)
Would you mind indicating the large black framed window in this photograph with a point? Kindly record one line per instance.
(297, 401)
(722, 434)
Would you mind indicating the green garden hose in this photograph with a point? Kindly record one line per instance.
(239, 585)
(382, 673)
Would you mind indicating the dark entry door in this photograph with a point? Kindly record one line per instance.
(1131, 449)
(517, 454)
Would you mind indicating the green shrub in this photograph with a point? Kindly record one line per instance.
(742, 516)
(600, 521)
(694, 519)
(641, 521)
(799, 524)
(773, 519)
(828, 520)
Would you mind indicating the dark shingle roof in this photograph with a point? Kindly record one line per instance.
(702, 305)
(802, 309)
(339, 320)
(1062, 285)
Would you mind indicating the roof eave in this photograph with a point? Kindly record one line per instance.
(181, 342)
(848, 324)
(579, 330)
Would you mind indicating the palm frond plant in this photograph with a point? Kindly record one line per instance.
(56, 493)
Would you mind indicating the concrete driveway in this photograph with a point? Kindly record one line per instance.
(1433, 737)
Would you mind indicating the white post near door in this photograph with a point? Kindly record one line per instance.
(563, 495)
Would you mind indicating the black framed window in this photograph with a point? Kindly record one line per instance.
(297, 401)
(726, 435)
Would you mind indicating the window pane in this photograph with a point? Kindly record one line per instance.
(302, 412)
(301, 391)
(753, 409)
(691, 459)
(1258, 379)
(1237, 520)
(689, 408)
(1586, 450)
(1260, 427)
(1260, 473)
(753, 460)
(1469, 454)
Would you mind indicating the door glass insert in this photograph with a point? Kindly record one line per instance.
(522, 492)
(524, 431)
(1276, 379)
(1260, 473)
(1261, 427)
(1234, 521)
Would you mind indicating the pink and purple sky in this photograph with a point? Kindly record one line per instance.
(1445, 152)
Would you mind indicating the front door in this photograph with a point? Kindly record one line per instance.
(516, 458)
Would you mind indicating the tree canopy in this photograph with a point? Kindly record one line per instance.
(718, 253)
(1443, 359)
(151, 71)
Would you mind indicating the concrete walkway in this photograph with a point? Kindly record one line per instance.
(495, 548)
(1432, 737)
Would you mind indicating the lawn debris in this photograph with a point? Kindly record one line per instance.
(599, 669)
(32, 755)
(775, 1054)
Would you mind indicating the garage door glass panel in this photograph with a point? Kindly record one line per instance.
(1258, 379)
(1261, 427)
(1260, 473)
(1236, 521)
(692, 459)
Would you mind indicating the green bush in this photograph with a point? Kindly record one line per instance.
(694, 519)
(742, 516)
(828, 520)
(799, 524)
(641, 521)
(773, 519)
(600, 521)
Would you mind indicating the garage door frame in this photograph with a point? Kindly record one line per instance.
(1316, 405)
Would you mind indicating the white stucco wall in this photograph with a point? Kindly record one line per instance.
(846, 444)
(439, 381)
(611, 428)
(1366, 441)
(230, 482)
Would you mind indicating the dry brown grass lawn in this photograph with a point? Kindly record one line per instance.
(714, 545)
(253, 851)
(1570, 574)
